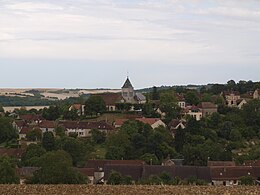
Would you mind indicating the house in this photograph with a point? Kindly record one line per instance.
(47, 126)
(231, 98)
(23, 132)
(181, 100)
(172, 162)
(241, 103)
(256, 94)
(255, 163)
(175, 124)
(193, 111)
(221, 163)
(26, 173)
(12, 152)
(153, 122)
(231, 175)
(102, 167)
(31, 118)
(111, 99)
(208, 108)
(83, 129)
(88, 173)
(79, 108)
(182, 172)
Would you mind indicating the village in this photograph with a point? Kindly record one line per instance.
(105, 115)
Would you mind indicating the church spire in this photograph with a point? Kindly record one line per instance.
(127, 83)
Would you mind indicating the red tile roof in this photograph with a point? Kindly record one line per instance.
(101, 125)
(208, 105)
(88, 172)
(149, 121)
(110, 99)
(47, 124)
(30, 117)
(76, 106)
(24, 130)
(221, 163)
(231, 173)
(100, 164)
(12, 152)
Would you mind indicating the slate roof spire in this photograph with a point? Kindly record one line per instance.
(128, 83)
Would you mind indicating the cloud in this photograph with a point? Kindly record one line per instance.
(173, 31)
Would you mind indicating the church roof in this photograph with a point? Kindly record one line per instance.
(128, 84)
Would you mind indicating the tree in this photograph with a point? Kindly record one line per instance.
(118, 146)
(192, 98)
(168, 104)
(76, 148)
(95, 105)
(60, 131)
(150, 159)
(1, 108)
(247, 180)
(51, 113)
(155, 94)
(115, 178)
(7, 171)
(48, 141)
(34, 135)
(56, 168)
(7, 131)
(97, 136)
(32, 155)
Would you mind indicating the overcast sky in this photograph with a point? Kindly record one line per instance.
(93, 44)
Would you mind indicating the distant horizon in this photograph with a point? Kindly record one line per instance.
(105, 88)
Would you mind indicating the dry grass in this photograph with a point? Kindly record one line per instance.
(124, 190)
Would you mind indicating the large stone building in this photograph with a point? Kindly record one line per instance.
(127, 95)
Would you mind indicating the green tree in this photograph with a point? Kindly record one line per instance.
(52, 113)
(115, 178)
(192, 98)
(48, 141)
(34, 135)
(150, 159)
(7, 171)
(7, 131)
(56, 168)
(118, 146)
(95, 105)
(98, 137)
(247, 181)
(155, 94)
(76, 148)
(32, 155)
(1, 108)
(60, 131)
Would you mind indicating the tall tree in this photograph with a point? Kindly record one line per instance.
(56, 168)
(7, 171)
(95, 105)
(7, 131)
(48, 141)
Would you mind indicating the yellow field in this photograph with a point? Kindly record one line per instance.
(121, 190)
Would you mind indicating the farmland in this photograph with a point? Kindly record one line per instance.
(119, 190)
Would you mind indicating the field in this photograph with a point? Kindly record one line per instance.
(121, 190)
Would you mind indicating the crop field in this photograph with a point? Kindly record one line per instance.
(121, 190)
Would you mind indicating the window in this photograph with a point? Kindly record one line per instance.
(125, 94)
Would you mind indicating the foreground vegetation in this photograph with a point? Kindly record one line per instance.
(84, 189)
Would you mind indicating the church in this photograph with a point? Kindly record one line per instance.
(127, 95)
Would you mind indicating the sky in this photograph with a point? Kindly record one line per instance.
(96, 44)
